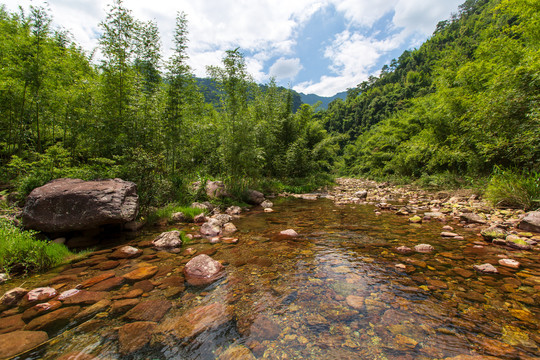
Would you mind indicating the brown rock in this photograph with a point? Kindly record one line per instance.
(16, 342)
(109, 284)
(168, 240)
(96, 279)
(472, 218)
(64, 205)
(107, 265)
(134, 336)
(144, 285)
(264, 328)
(237, 352)
(142, 273)
(38, 295)
(125, 252)
(40, 309)
(463, 273)
(77, 356)
(121, 306)
(196, 320)
(531, 222)
(203, 270)
(54, 320)
(356, 302)
(132, 294)
(150, 310)
(11, 323)
(84, 297)
(423, 248)
(12, 297)
(90, 311)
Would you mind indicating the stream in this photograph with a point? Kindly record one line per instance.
(333, 292)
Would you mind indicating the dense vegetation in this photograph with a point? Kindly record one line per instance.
(464, 103)
(140, 117)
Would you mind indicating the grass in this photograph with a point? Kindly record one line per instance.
(514, 189)
(169, 209)
(20, 251)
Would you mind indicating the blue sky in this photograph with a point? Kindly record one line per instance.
(314, 46)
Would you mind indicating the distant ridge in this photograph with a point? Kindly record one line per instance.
(312, 99)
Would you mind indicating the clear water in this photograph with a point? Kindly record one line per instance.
(334, 293)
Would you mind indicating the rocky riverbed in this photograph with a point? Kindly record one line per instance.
(363, 270)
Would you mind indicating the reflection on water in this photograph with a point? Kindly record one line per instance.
(332, 293)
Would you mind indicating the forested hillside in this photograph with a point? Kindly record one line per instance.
(464, 103)
(140, 117)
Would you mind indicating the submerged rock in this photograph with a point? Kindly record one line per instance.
(64, 205)
(134, 336)
(264, 328)
(423, 248)
(16, 342)
(486, 268)
(203, 270)
(125, 252)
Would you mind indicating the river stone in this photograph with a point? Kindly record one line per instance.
(237, 352)
(84, 297)
(211, 228)
(64, 295)
(40, 309)
(121, 306)
(514, 264)
(55, 320)
(203, 270)
(109, 284)
(75, 355)
(423, 248)
(289, 232)
(107, 265)
(356, 302)
(90, 311)
(493, 232)
(531, 222)
(38, 295)
(64, 205)
(486, 268)
(168, 240)
(12, 297)
(199, 219)
(150, 310)
(448, 234)
(264, 328)
(229, 229)
(11, 323)
(141, 273)
(17, 342)
(255, 197)
(362, 194)
(134, 336)
(404, 250)
(222, 219)
(267, 204)
(125, 252)
(415, 219)
(233, 210)
(472, 218)
(96, 279)
(516, 242)
(196, 320)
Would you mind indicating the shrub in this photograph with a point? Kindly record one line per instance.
(21, 251)
(168, 210)
(511, 188)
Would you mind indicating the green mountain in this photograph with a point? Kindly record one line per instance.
(312, 99)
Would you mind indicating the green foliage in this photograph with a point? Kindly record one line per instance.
(169, 209)
(515, 189)
(21, 251)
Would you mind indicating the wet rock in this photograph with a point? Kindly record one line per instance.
(96, 279)
(463, 273)
(40, 309)
(64, 205)
(362, 194)
(492, 233)
(144, 285)
(38, 295)
(266, 204)
(84, 297)
(237, 352)
(472, 218)
(233, 210)
(289, 232)
(109, 284)
(423, 248)
(107, 265)
(150, 310)
(415, 219)
(211, 228)
(255, 197)
(11, 323)
(264, 328)
(125, 252)
(203, 270)
(199, 219)
(12, 297)
(486, 268)
(268, 210)
(531, 222)
(131, 294)
(92, 310)
(509, 263)
(75, 355)
(516, 242)
(141, 273)
(196, 320)
(64, 295)
(17, 342)
(122, 306)
(448, 234)
(404, 250)
(356, 302)
(135, 336)
(229, 229)
(434, 215)
(55, 320)
(169, 240)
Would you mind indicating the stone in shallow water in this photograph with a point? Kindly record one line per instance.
(134, 336)
(356, 302)
(404, 250)
(96, 279)
(125, 252)
(203, 270)
(11, 323)
(77, 356)
(514, 264)
(40, 309)
(486, 268)
(264, 328)
(12, 297)
(448, 234)
(109, 284)
(168, 240)
(84, 297)
(423, 248)
(38, 295)
(54, 320)
(237, 352)
(16, 342)
(289, 232)
(150, 310)
(141, 273)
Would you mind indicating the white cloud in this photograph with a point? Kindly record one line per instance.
(421, 16)
(285, 68)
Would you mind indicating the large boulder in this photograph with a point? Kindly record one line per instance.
(64, 205)
(531, 222)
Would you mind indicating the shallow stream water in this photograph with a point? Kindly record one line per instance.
(334, 292)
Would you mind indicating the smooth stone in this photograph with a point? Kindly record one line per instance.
(54, 320)
(150, 310)
(448, 234)
(84, 297)
(141, 273)
(64, 295)
(415, 219)
(472, 218)
(135, 336)
(40, 309)
(289, 232)
(41, 294)
(94, 309)
(125, 252)
(404, 250)
(264, 328)
(514, 264)
(531, 222)
(17, 342)
(96, 279)
(203, 270)
(486, 268)
(228, 229)
(109, 284)
(11, 323)
(237, 352)
(122, 306)
(356, 302)
(12, 297)
(423, 248)
(168, 240)
(107, 265)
